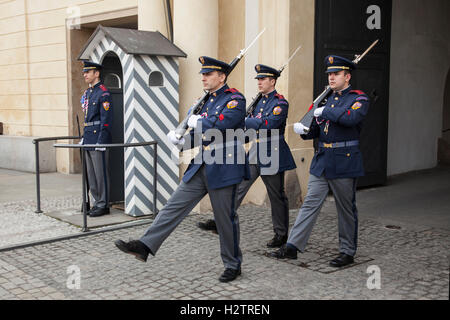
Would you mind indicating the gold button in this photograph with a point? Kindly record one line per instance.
(230, 155)
(95, 131)
(332, 105)
(348, 154)
(261, 110)
(264, 101)
(212, 100)
(217, 112)
(336, 98)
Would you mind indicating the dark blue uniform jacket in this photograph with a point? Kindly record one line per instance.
(341, 121)
(99, 116)
(271, 113)
(225, 109)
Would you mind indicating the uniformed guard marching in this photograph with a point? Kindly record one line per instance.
(336, 164)
(269, 115)
(224, 110)
(98, 116)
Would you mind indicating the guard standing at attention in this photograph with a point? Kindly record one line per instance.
(224, 110)
(336, 164)
(269, 115)
(98, 116)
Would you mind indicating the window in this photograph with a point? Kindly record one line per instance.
(156, 79)
(112, 81)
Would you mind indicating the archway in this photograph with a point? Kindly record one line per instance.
(112, 77)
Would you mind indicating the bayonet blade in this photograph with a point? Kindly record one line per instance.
(292, 56)
(289, 60)
(359, 58)
(243, 52)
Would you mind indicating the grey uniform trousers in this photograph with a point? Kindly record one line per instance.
(97, 166)
(181, 203)
(344, 191)
(278, 201)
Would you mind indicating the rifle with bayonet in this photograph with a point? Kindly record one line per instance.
(197, 108)
(321, 100)
(251, 107)
(88, 202)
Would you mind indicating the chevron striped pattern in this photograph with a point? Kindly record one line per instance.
(149, 114)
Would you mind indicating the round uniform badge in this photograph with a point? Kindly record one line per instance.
(356, 106)
(331, 60)
(106, 106)
(277, 111)
(232, 104)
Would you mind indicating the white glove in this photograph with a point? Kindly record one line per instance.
(300, 128)
(318, 112)
(100, 149)
(192, 122)
(81, 141)
(173, 139)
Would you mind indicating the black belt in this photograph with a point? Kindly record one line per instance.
(339, 144)
(93, 123)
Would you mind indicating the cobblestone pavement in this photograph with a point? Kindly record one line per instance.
(20, 224)
(412, 264)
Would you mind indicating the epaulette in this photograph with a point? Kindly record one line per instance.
(236, 93)
(361, 94)
(357, 92)
(103, 87)
(280, 97)
(232, 90)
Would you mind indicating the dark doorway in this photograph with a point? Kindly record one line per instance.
(112, 77)
(444, 141)
(346, 28)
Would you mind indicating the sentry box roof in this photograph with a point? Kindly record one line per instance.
(132, 41)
